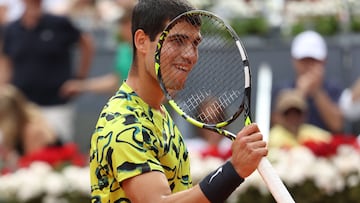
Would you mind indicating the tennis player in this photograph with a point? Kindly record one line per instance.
(137, 153)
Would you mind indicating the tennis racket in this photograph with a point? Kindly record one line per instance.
(203, 70)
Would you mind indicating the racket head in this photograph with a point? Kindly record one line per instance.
(203, 70)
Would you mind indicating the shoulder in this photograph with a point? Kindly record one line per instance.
(12, 26)
(310, 132)
(280, 137)
(51, 17)
(279, 132)
(334, 88)
(123, 114)
(59, 21)
(333, 84)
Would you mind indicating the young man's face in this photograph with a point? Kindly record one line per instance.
(305, 65)
(179, 54)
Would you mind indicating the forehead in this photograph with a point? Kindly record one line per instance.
(185, 28)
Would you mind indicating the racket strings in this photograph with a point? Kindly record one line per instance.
(214, 88)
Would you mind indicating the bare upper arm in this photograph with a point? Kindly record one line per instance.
(5, 70)
(153, 187)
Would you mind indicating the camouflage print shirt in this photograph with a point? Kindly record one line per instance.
(130, 139)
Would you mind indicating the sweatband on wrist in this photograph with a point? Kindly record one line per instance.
(219, 185)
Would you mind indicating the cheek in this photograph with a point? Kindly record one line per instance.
(169, 57)
(173, 55)
(150, 64)
(300, 68)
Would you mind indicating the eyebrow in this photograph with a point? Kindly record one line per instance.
(184, 36)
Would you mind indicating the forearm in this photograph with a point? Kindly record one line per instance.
(108, 83)
(215, 187)
(153, 187)
(329, 111)
(191, 195)
(86, 55)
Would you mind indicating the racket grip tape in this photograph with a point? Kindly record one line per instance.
(218, 185)
(273, 182)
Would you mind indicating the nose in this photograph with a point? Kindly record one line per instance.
(190, 54)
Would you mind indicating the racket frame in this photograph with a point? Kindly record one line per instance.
(245, 105)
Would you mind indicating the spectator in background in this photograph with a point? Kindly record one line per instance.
(291, 129)
(350, 102)
(38, 50)
(110, 82)
(26, 136)
(309, 52)
(22, 126)
(83, 13)
(206, 142)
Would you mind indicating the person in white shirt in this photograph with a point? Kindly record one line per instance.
(349, 102)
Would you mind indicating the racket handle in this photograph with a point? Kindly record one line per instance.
(273, 182)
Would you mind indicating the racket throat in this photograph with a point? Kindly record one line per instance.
(221, 131)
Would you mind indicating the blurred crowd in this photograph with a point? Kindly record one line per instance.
(40, 76)
(39, 82)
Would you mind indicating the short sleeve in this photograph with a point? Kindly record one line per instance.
(134, 152)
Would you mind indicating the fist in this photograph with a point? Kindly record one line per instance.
(247, 150)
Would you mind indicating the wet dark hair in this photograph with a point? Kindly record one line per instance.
(152, 15)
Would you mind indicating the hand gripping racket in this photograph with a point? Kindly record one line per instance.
(203, 70)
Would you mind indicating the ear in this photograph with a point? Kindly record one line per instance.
(141, 41)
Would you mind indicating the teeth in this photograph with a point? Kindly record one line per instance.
(182, 68)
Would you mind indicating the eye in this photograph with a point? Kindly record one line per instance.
(197, 42)
(180, 41)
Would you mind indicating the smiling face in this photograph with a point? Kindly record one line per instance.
(179, 54)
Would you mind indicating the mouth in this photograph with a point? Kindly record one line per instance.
(176, 77)
(182, 68)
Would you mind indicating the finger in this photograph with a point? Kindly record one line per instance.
(258, 144)
(248, 130)
(255, 137)
(262, 151)
(249, 142)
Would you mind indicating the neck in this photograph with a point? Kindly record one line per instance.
(147, 88)
(31, 15)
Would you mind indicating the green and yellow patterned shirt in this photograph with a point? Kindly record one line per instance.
(132, 138)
